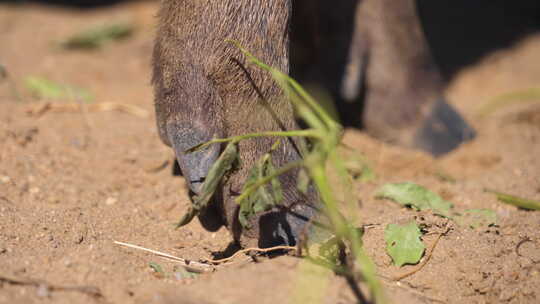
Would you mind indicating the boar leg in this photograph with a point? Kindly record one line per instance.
(205, 88)
(403, 86)
(442, 130)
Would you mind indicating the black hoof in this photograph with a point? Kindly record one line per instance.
(211, 218)
(286, 226)
(443, 130)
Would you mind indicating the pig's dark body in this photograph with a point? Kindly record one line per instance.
(204, 88)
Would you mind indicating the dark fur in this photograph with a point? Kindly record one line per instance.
(401, 77)
(374, 52)
(205, 89)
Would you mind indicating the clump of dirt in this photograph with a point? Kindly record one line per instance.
(71, 183)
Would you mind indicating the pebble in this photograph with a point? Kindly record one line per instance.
(43, 291)
(34, 190)
(111, 201)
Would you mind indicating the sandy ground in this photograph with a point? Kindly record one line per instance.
(72, 183)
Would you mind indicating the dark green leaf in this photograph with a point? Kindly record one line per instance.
(403, 243)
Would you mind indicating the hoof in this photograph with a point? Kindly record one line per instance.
(443, 130)
(211, 218)
(287, 226)
(193, 166)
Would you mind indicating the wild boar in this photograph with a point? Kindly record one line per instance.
(205, 89)
(373, 50)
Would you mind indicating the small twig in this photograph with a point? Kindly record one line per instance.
(521, 242)
(424, 262)
(86, 122)
(408, 288)
(191, 266)
(89, 290)
(97, 107)
(518, 246)
(260, 250)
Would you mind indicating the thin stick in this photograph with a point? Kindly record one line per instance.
(189, 265)
(89, 290)
(261, 250)
(424, 262)
(408, 288)
(98, 107)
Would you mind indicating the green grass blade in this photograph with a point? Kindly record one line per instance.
(515, 200)
(517, 97)
(216, 173)
(235, 139)
(249, 190)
